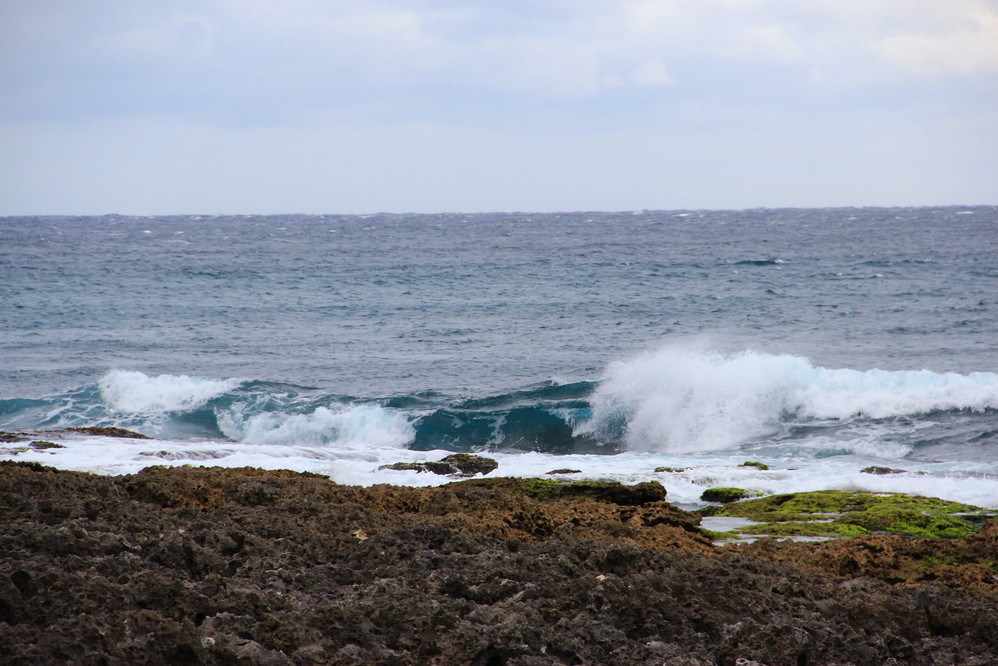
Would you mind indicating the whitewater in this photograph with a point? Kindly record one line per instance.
(646, 345)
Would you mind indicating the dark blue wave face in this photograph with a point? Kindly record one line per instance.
(539, 419)
(528, 428)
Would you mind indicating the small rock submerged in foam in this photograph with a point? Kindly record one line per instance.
(456, 464)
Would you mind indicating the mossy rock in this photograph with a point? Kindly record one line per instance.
(438, 467)
(673, 470)
(565, 471)
(841, 513)
(470, 464)
(724, 495)
(802, 529)
(463, 464)
(40, 444)
(602, 491)
(874, 469)
(406, 467)
(757, 465)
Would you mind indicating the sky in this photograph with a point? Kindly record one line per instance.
(149, 107)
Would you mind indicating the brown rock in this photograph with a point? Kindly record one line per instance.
(108, 432)
(192, 565)
(881, 470)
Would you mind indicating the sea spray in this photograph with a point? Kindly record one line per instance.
(358, 426)
(680, 399)
(684, 400)
(136, 392)
(843, 393)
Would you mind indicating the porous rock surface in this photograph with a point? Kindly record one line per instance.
(223, 566)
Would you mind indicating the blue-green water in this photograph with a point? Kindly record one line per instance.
(807, 337)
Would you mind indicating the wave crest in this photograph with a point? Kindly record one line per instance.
(138, 393)
(359, 426)
(682, 400)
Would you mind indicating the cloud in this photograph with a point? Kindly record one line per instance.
(762, 43)
(176, 37)
(265, 62)
(411, 104)
(964, 49)
(652, 73)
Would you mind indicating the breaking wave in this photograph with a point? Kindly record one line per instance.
(674, 400)
(136, 392)
(684, 400)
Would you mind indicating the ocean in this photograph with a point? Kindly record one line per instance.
(819, 342)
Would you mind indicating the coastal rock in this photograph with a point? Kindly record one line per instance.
(842, 513)
(25, 435)
(564, 471)
(724, 495)
(603, 491)
(874, 469)
(199, 565)
(456, 464)
(108, 432)
(470, 465)
(40, 445)
(968, 563)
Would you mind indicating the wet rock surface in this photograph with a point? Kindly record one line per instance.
(724, 495)
(844, 513)
(245, 566)
(456, 464)
(26, 435)
(881, 470)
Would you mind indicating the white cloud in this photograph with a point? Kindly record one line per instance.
(328, 56)
(965, 49)
(762, 43)
(357, 105)
(177, 37)
(652, 73)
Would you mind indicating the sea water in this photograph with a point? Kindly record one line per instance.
(817, 341)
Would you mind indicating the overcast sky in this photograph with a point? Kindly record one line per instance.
(283, 106)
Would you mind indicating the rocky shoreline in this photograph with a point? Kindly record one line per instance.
(191, 565)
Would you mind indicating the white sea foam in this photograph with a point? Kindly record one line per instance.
(869, 445)
(880, 394)
(684, 400)
(963, 481)
(361, 426)
(138, 393)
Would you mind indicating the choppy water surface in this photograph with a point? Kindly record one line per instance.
(819, 341)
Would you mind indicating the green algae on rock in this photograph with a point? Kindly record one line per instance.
(844, 513)
(757, 465)
(41, 444)
(470, 464)
(613, 492)
(725, 495)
